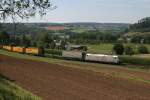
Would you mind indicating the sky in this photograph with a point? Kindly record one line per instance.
(102, 11)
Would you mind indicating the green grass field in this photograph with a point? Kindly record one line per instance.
(100, 48)
(11, 91)
(79, 30)
(107, 48)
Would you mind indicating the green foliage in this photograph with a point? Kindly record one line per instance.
(118, 48)
(25, 41)
(53, 52)
(45, 40)
(85, 48)
(143, 25)
(135, 61)
(63, 44)
(23, 8)
(142, 49)
(139, 32)
(139, 37)
(4, 37)
(52, 45)
(93, 37)
(129, 50)
(10, 91)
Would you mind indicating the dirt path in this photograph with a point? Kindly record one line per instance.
(54, 82)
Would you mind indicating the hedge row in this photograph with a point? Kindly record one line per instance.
(53, 52)
(135, 60)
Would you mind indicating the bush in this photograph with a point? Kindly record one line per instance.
(129, 50)
(135, 61)
(53, 52)
(142, 49)
(118, 48)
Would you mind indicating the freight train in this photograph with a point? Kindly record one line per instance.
(83, 56)
(29, 50)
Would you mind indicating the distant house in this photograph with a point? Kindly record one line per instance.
(55, 28)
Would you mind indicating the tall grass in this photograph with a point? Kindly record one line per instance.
(10, 91)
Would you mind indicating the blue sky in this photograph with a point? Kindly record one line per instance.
(105, 11)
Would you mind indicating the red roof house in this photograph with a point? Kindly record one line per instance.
(55, 28)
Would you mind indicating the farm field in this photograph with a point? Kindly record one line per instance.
(71, 80)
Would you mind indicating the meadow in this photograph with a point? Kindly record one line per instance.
(100, 48)
(106, 48)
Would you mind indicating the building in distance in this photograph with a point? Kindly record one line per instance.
(55, 28)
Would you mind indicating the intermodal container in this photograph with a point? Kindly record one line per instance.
(34, 51)
(9, 48)
(18, 49)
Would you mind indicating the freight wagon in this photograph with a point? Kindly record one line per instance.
(91, 57)
(18, 49)
(34, 51)
(1, 46)
(72, 55)
(102, 58)
(9, 48)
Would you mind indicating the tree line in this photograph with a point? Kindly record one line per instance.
(94, 37)
(143, 25)
(42, 39)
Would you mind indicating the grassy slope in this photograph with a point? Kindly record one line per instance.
(103, 68)
(10, 91)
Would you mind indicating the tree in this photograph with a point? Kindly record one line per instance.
(4, 38)
(118, 48)
(143, 25)
(44, 40)
(23, 8)
(63, 44)
(25, 41)
(129, 50)
(52, 45)
(142, 49)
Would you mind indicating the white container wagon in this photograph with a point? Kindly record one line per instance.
(102, 58)
(72, 54)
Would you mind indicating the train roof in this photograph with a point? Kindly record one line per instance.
(101, 55)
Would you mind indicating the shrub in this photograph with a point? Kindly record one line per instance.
(129, 50)
(118, 48)
(135, 61)
(53, 52)
(142, 49)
